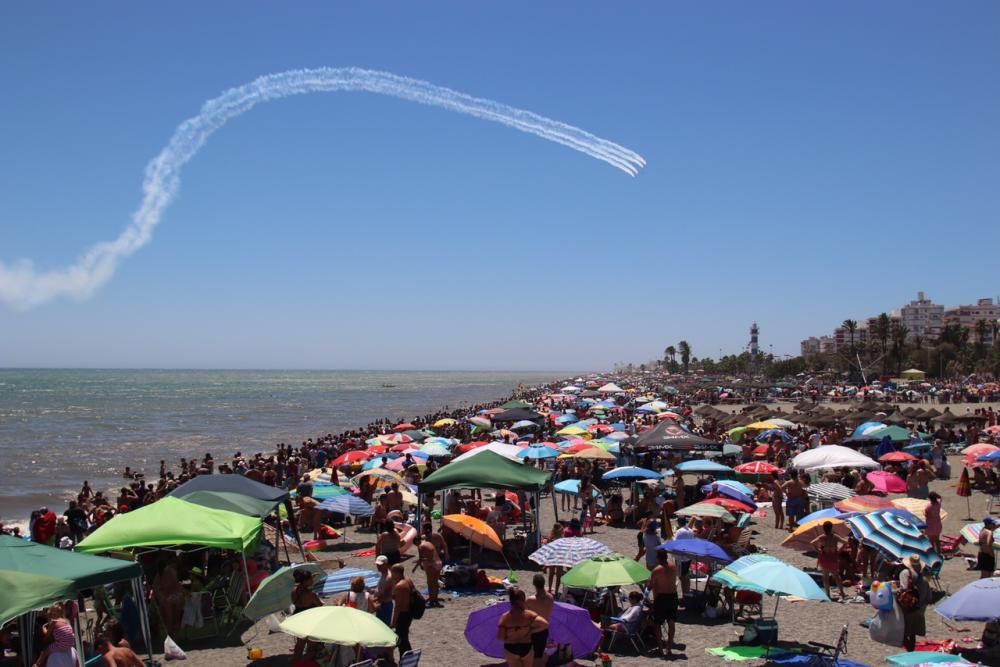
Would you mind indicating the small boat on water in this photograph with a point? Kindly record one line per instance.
(388, 386)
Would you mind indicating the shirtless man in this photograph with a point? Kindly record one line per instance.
(541, 603)
(401, 617)
(430, 563)
(663, 584)
(394, 499)
(798, 501)
(986, 559)
(117, 656)
(388, 543)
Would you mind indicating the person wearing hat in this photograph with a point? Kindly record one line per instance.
(986, 559)
(383, 590)
(911, 579)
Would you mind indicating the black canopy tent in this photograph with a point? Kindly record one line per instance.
(668, 436)
(245, 486)
(516, 415)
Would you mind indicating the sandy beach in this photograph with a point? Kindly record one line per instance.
(439, 633)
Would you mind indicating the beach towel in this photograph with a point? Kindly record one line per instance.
(806, 659)
(742, 653)
(364, 553)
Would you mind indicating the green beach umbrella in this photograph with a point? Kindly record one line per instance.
(604, 571)
(339, 625)
(275, 593)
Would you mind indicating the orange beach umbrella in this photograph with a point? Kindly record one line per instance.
(475, 530)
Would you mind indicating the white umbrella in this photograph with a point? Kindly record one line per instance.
(832, 456)
(503, 449)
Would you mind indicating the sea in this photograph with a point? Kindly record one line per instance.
(61, 427)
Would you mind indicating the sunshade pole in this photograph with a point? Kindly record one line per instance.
(76, 636)
(140, 603)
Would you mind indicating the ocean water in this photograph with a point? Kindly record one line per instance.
(60, 427)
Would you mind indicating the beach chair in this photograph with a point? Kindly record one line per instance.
(934, 575)
(633, 634)
(827, 655)
(410, 659)
(364, 663)
(951, 545)
(742, 546)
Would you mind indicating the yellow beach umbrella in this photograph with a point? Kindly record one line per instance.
(915, 506)
(447, 421)
(573, 430)
(762, 426)
(595, 453)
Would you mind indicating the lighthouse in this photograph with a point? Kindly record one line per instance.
(754, 348)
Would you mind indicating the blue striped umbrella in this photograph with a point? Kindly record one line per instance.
(347, 503)
(568, 552)
(893, 536)
(324, 490)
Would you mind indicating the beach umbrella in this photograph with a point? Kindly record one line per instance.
(325, 490)
(568, 551)
(604, 571)
(828, 513)
(405, 426)
(866, 428)
(832, 456)
(731, 575)
(777, 578)
(976, 601)
(568, 624)
(897, 457)
(989, 457)
(829, 491)
(274, 593)
(396, 439)
(964, 490)
(347, 503)
(483, 422)
(970, 532)
(770, 434)
(475, 530)
(732, 492)
(783, 423)
(631, 472)
(886, 482)
(927, 659)
(864, 504)
(538, 452)
(915, 506)
(706, 509)
(435, 449)
(801, 538)
(573, 430)
(339, 625)
(696, 549)
(351, 456)
(572, 487)
(380, 477)
(893, 536)
(763, 426)
(979, 448)
(524, 424)
(447, 421)
(702, 466)
(730, 504)
(595, 454)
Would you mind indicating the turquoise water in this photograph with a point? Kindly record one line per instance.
(60, 427)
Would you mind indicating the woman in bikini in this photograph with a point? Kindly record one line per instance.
(304, 597)
(516, 628)
(828, 545)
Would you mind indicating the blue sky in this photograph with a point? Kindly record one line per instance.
(806, 162)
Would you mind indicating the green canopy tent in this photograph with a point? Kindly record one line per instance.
(173, 522)
(229, 501)
(33, 576)
(488, 470)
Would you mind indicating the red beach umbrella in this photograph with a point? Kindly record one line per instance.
(762, 450)
(758, 468)
(353, 456)
(897, 457)
(405, 426)
(729, 504)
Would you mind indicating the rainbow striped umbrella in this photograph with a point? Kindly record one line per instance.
(864, 504)
(894, 536)
(971, 533)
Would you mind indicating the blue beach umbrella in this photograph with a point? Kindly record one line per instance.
(991, 456)
(894, 536)
(731, 575)
(619, 426)
(732, 484)
(769, 435)
(631, 472)
(730, 492)
(778, 578)
(566, 419)
(828, 513)
(696, 548)
(865, 428)
(538, 452)
(976, 601)
(324, 490)
(572, 487)
(523, 424)
(347, 504)
(702, 465)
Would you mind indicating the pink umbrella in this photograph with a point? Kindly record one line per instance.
(886, 482)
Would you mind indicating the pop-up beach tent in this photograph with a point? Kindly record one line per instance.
(171, 522)
(488, 470)
(244, 486)
(34, 576)
(668, 436)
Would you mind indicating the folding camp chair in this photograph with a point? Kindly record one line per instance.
(364, 663)
(634, 635)
(742, 546)
(951, 545)
(827, 655)
(934, 574)
(410, 659)
(229, 601)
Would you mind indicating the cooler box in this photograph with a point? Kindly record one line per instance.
(694, 602)
(767, 631)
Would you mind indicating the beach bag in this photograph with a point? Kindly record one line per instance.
(909, 597)
(171, 651)
(418, 603)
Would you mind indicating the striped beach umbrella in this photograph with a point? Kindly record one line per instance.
(864, 504)
(916, 506)
(758, 468)
(347, 503)
(970, 532)
(483, 422)
(396, 439)
(829, 491)
(568, 552)
(893, 536)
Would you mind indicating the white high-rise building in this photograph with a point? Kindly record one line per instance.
(923, 318)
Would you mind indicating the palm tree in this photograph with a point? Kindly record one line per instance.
(671, 352)
(982, 330)
(881, 330)
(851, 326)
(685, 349)
(995, 326)
(898, 333)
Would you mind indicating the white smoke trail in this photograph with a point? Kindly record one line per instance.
(23, 287)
